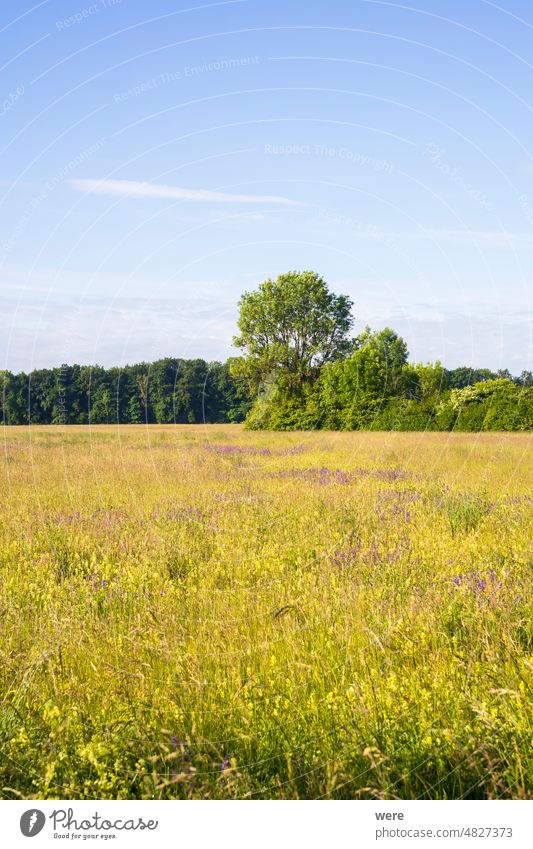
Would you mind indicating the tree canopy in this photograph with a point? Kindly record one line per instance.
(290, 328)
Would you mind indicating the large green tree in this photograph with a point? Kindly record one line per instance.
(290, 328)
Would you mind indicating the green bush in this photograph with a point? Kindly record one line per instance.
(492, 405)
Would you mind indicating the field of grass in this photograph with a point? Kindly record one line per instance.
(202, 612)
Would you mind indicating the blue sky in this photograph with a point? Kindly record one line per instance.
(155, 164)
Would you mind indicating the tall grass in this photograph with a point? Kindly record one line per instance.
(208, 613)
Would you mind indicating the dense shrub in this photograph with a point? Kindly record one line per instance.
(491, 405)
(344, 401)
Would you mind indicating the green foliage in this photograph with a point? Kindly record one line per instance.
(383, 357)
(464, 376)
(367, 384)
(423, 382)
(351, 394)
(354, 390)
(274, 410)
(165, 392)
(498, 404)
(289, 328)
(405, 414)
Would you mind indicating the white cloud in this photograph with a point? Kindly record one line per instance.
(143, 190)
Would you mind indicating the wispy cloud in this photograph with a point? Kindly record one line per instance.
(143, 190)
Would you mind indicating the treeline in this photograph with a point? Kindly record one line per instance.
(164, 392)
(374, 387)
(299, 369)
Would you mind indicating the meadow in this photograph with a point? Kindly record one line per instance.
(205, 612)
